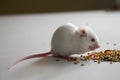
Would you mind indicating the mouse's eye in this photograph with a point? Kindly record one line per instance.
(92, 40)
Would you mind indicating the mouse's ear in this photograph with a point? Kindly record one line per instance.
(83, 33)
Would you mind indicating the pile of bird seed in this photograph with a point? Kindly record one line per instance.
(102, 56)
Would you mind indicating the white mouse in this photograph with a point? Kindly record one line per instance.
(69, 39)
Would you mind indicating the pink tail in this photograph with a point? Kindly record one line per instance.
(29, 57)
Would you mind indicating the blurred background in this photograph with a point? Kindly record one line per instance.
(43, 6)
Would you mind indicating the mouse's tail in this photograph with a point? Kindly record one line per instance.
(29, 57)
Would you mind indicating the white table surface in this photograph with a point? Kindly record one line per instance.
(21, 35)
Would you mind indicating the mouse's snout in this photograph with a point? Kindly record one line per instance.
(94, 46)
(97, 45)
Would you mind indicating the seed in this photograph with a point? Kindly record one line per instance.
(84, 57)
(88, 53)
(110, 62)
(76, 61)
(82, 64)
(99, 62)
(69, 58)
(57, 60)
(95, 61)
(81, 56)
(114, 44)
(107, 43)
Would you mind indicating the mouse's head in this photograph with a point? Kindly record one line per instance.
(89, 38)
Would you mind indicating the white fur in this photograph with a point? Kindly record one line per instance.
(66, 40)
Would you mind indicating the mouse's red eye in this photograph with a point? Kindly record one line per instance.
(92, 40)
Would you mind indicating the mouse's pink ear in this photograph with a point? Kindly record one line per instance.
(83, 33)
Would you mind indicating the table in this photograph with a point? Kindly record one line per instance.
(25, 34)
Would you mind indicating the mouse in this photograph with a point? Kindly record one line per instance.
(69, 39)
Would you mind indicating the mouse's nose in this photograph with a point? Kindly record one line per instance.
(97, 45)
(93, 47)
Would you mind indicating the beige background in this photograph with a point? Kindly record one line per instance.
(36, 6)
